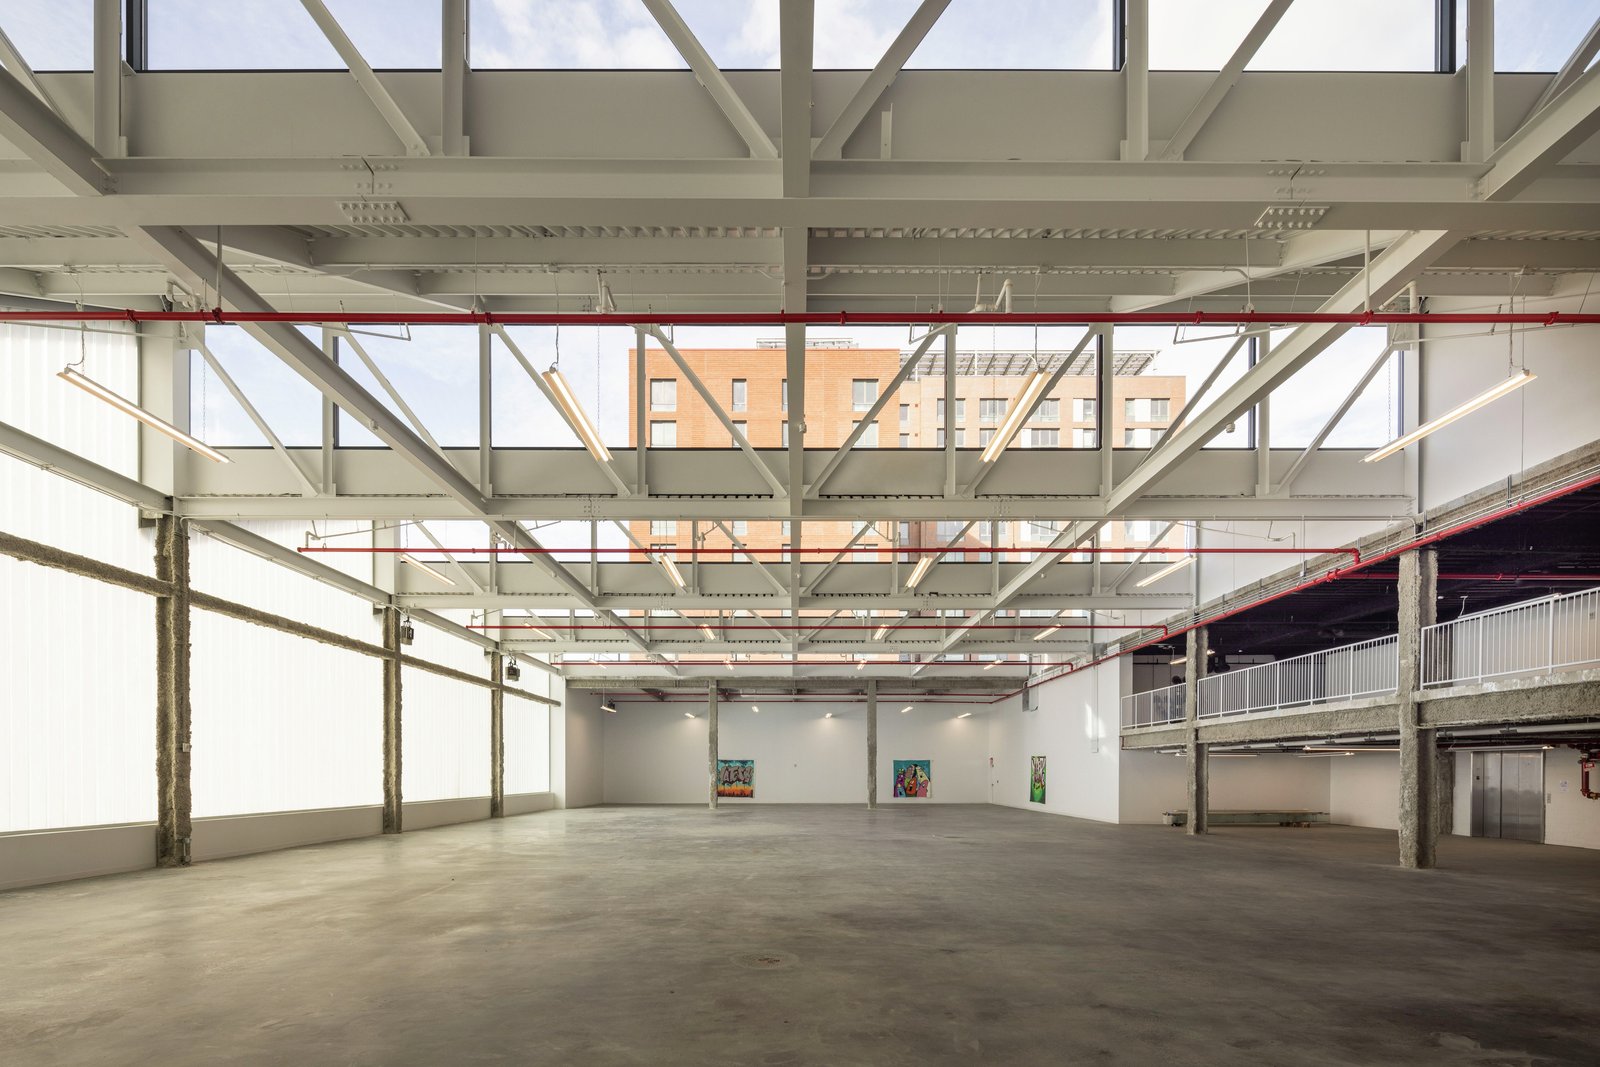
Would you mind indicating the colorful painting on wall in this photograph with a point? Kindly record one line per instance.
(913, 777)
(736, 778)
(1036, 781)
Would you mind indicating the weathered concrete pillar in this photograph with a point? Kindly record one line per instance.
(1419, 822)
(174, 800)
(872, 744)
(711, 740)
(497, 738)
(1198, 764)
(391, 721)
(1444, 815)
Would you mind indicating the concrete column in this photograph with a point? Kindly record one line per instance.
(711, 741)
(1198, 764)
(391, 721)
(1419, 823)
(174, 800)
(872, 744)
(497, 738)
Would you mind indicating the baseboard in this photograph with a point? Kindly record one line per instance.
(424, 814)
(223, 836)
(38, 857)
(528, 803)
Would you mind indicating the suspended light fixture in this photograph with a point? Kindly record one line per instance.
(993, 664)
(756, 708)
(965, 715)
(688, 715)
(1042, 634)
(576, 415)
(673, 574)
(1020, 408)
(128, 407)
(609, 707)
(827, 715)
(877, 634)
(1489, 396)
(861, 664)
(408, 558)
(919, 572)
(905, 709)
(708, 631)
(1172, 568)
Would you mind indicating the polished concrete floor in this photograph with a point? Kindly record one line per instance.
(815, 935)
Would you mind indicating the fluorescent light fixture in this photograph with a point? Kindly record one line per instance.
(905, 709)
(128, 407)
(576, 415)
(673, 573)
(1172, 568)
(1013, 420)
(408, 558)
(965, 715)
(827, 715)
(1177, 660)
(609, 707)
(1489, 396)
(993, 664)
(919, 572)
(756, 708)
(1042, 634)
(711, 634)
(728, 663)
(877, 634)
(688, 715)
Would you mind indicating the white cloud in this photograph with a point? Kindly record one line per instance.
(595, 34)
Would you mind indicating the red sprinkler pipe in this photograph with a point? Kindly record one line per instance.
(925, 550)
(722, 661)
(219, 317)
(710, 624)
(1335, 574)
(1458, 576)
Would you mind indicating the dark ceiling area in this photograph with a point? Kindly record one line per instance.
(1553, 548)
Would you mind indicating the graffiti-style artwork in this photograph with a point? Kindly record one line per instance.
(736, 778)
(1036, 781)
(913, 777)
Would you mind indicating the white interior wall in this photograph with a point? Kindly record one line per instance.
(1570, 818)
(578, 766)
(656, 754)
(1076, 729)
(1152, 784)
(1364, 790)
(1552, 415)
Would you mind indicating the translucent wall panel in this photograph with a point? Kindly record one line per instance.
(46, 507)
(225, 571)
(278, 34)
(282, 723)
(448, 650)
(51, 34)
(77, 728)
(445, 742)
(527, 738)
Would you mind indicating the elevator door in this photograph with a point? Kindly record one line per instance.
(1508, 795)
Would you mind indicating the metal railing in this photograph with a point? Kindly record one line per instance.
(1553, 633)
(1154, 707)
(1367, 668)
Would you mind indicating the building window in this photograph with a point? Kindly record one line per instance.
(1044, 438)
(1083, 409)
(863, 393)
(783, 396)
(941, 437)
(869, 439)
(961, 411)
(744, 431)
(785, 434)
(1160, 409)
(1146, 409)
(663, 394)
(905, 414)
(1085, 439)
(868, 554)
(1138, 531)
(740, 527)
(1137, 437)
(1048, 411)
(991, 410)
(985, 435)
(905, 440)
(663, 434)
(663, 528)
(783, 529)
(741, 395)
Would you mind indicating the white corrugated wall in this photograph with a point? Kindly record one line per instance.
(527, 741)
(445, 738)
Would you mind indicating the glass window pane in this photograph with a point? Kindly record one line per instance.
(1302, 405)
(663, 434)
(287, 402)
(1312, 35)
(740, 394)
(1159, 363)
(434, 371)
(559, 35)
(663, 394)
(280, 35)
(1015, 35)
(51, 34)
(1537, 35)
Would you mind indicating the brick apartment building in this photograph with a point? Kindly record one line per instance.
(843, 382)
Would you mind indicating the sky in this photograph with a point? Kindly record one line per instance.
(981, 34)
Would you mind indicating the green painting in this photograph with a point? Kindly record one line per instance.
(1036, 781)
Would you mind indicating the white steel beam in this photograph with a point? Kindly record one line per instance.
(362, 72)
(782, 587)
(1195, 397)
(888, 68)
(1136, 78)
(455, 39)
(13, 61)
(1225, 80)
(1287, 482)
(107, 78)
(985, 469)
(796, 27)
(1389, 274)
(710, 76)
(1575, 65)
(387, 386)
(1479, 85)
(307, 488)
(1565, 123)
(44, 137)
